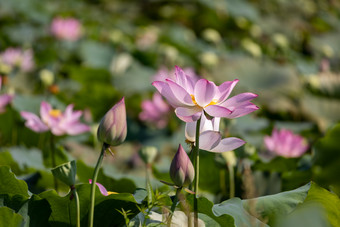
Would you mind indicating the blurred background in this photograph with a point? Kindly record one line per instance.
(92, 53)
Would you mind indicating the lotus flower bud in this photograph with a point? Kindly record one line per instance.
(182, 171)
(66, 172)
(112, 128)
(148, 154)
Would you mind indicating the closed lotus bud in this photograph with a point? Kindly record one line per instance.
(112, 128)
(148, 154)
(182, 171)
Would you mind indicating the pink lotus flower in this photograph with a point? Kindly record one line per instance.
(190, 99)
(53, 119)
(66, 29)
(285, 143)
(4, 99)
(155, 111)
(16, 57)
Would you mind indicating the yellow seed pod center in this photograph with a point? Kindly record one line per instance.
(55, 113)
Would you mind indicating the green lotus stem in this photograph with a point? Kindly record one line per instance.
(77, 206)
(173, 206)
(54, 164)
(197, 167)
(93, 186)
(231, 181)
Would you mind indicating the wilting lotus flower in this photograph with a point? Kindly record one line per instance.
(102, 189)
(66, 28)
(16, 57)
(57, 122)
(190, 98)
(285, 143)
(155, 111)
(182, 171)
(112, 128)
(4, 99)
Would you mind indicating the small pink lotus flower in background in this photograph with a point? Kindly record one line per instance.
(59, 123)
(182, 171)
(102, 189)
(112, 129)
(16, 57)
(66, 28)
(155, 111)
(190, 99)
(4, 99)
(285, 143)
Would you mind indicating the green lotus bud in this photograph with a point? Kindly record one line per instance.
(182, 171)
(66, 172)
(148, 154)
(112, 128)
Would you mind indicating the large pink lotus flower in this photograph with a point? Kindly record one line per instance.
(66, 28)
(58, 122)
(16, 57)
(4, 99)
(190, 99)
(155, 111)
(285, 143)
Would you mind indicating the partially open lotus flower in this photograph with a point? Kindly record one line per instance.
(190, 98)
(182, 171)
(112, 129)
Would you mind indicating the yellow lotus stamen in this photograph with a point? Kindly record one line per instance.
(112, 193)
(55, 113)
(193, 99)
(213, 102)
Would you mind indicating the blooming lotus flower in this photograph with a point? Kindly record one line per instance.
(182, 171)
(155, 111)
(102, 189)
(112, 129)
(66, 29)
(16, 57)
(4, 99)
(190, 98)
(285, 143)
(59, 123)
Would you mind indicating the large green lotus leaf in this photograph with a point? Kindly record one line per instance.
(85, 173)
(6, 159)
(9, 218)
(106, 207)
(9, 184)
(27, 158)
(273, 206)
(206, 207)
(96, 54)
(327, 157)
(329, 201)
(234, 208)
